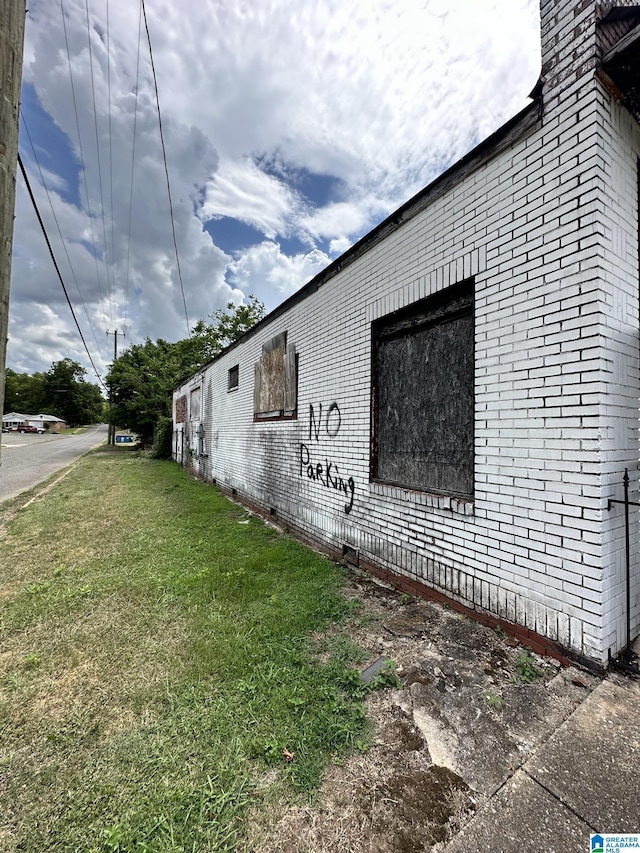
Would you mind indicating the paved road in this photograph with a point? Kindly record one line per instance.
(26, 460)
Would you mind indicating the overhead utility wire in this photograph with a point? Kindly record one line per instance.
(57, 268)
(64, 244)
(166, 170)
(113, 243)
(84, 171)
(95, 121)
(133, 158)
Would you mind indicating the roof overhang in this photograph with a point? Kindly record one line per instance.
(620, 67)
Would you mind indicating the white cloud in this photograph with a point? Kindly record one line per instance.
(241, 190)
(264, 270)
(340, 219)
(380, 95)
(339, 245)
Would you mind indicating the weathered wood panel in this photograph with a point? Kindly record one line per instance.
(425, 397)
(275, 390)
(290, 379)
(181, 409)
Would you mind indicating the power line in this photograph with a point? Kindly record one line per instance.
(57, 268)
(113, 244)
(64, 245)
(84, 171)
(95, 121)
(133, 156)
(166, 170)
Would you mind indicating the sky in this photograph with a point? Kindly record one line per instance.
(291, 129)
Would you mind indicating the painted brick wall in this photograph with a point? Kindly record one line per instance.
(549, 230)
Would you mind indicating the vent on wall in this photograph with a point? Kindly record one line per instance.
(350, 554)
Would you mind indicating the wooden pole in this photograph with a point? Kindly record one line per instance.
(111, 435)
(12, 15)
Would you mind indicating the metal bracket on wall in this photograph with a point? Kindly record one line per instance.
(625, 658)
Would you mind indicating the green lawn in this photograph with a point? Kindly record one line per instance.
(160, 649)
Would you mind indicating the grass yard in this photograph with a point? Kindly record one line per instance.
(161, 657)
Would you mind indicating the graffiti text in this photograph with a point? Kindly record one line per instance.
(327, 474)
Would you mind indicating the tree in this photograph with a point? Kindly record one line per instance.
(65, 393)
(226, 326)
(23, 392)
(143, 377)
(141, 381)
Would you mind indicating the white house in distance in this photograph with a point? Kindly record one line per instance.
(453, 402)
(50, 423)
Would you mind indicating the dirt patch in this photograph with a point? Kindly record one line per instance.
(464, 721)
(419, 808)
(403, 736)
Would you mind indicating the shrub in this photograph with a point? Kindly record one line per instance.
(162, 436)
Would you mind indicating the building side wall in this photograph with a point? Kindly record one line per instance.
(538, 228)
(620, 142)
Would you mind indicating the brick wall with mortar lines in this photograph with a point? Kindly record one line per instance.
(530, 227)
(620, 333)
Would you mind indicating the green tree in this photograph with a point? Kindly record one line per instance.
(143, 377)
(23, 392)
(225, 326)
(141, 380)
(66, 394)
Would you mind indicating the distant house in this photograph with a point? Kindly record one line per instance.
(50, 423)
(14, 419)
(453, 402)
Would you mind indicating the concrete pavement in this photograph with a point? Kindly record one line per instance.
(483, 746)
(27, 460)
(584, 779)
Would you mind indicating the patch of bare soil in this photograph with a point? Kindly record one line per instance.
(473, 707)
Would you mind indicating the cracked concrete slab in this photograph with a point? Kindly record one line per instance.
(592, 762)
(449, 747)
(522, 816)
(482, 705)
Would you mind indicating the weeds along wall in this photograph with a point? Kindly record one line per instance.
(456, 398)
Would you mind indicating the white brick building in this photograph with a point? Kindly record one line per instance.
(455, 399)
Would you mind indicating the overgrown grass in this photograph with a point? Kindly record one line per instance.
(155, 663)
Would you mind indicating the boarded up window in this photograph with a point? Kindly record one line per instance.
(194, 409)
(276, 380)
(233, 379)
(181, 409)
(423, 394)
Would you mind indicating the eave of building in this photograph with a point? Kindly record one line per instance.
(503, 138)
(619, 70)
(620, 13)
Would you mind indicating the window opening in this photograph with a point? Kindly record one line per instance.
(276, 380)
(423, 377)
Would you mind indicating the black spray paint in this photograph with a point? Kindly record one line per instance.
(325, 473)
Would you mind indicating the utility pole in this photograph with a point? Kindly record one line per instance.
(12, 15)
(111, 435)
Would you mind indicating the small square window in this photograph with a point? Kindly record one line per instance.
(233, 379)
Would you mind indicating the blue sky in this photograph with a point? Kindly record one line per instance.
(292, 128)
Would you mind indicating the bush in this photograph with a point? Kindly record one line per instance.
(162, 437)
